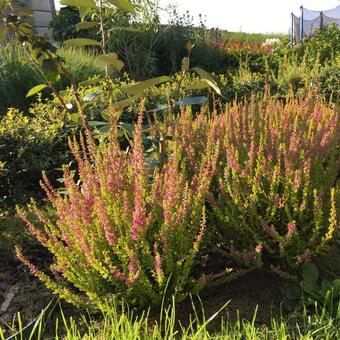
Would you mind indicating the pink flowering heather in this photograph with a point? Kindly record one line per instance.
(275, 182)
(278, 183)
(123, 230)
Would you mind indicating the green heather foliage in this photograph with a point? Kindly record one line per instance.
(126, 231)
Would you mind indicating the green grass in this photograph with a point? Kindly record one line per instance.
(18, 75)
(123, 323)
(249, 37)
(81, 62)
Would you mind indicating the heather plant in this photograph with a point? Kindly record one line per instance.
(124, 230)
(278, 188)
(276, 193)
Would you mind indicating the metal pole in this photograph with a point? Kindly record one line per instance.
(321, 20)
(301, 28)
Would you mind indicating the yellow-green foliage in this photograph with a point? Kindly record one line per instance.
(29, 145)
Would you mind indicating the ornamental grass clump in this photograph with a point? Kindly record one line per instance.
(278, 185)
(123, 230)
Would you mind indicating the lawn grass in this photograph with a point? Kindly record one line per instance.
(250, 37)
(123, 323)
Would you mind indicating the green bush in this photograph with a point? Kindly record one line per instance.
(329, 83)
(324, 46)
(256, 61)
(12, 232)
(136, 50)
(29, 145)
(63, 25)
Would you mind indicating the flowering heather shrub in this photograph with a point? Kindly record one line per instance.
(278, 188)
(275, 193)
(124, 232)
(190, 134)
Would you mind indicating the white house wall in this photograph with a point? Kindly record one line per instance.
(43, 11)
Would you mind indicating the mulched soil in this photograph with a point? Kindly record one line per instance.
(258, 290)
(20, 292)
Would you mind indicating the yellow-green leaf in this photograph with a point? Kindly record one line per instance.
(83, 12)
(189, 46)
(118, 107)
(36, 89)
(85, 25)
(123, 5)
(208, 78)
(138, 88)
(122, 104)
(82, 42)
(111, 60)
(89, 82)
(185, 64)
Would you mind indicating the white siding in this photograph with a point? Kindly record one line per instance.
(40, 5)
(44, 11)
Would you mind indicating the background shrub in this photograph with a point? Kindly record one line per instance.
(29, 145)
(324, 46)
(63, 25)
(329, 82)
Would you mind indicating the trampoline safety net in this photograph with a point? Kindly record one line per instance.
(309, 21)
